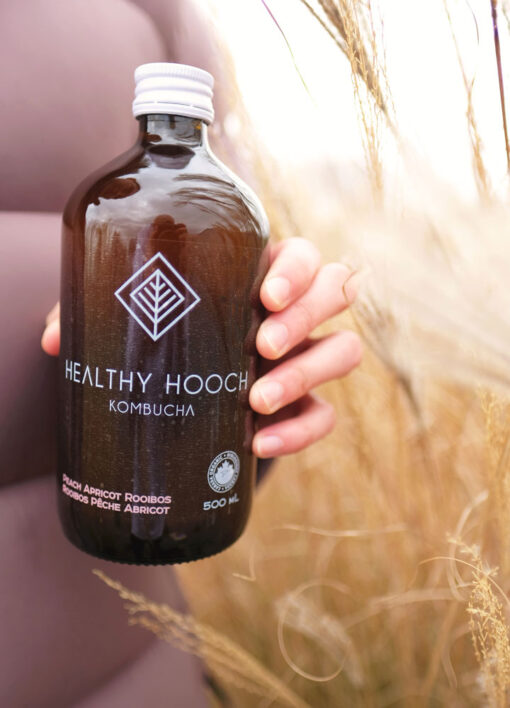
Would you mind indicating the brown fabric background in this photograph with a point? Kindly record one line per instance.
(66, 82)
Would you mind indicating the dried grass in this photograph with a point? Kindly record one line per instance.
(479, 169)
(489, 632)
(228, 660)
(353, 26)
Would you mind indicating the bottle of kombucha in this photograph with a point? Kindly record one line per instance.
(163, 254)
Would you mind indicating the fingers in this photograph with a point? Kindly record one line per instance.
(331, 291)
(53, 314)
(300, 295)
(329, 358)
(50, 340)
(296, 262)
(315, 419)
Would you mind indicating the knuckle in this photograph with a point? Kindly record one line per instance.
(329, 417)
(304, 317)
(336, 273)
(312, 252)
(308, 435)
(325, 421)
(353, 347)
(299, 381)
(334, 277)
(305, 252)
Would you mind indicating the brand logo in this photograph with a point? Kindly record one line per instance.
(223, 471)
(157, 296)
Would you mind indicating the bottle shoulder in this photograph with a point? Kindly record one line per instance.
(92, 185)
(244, 191)
(190, 185)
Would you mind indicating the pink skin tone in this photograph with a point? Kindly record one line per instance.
(299, 294)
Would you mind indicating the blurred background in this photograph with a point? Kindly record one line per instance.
(415, 40)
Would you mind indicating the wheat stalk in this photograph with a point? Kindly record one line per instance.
(489, 632)
(227, 658)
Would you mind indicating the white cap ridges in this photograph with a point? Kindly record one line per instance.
(176, 89)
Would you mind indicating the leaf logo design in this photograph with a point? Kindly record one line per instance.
(157, 297)
(159, 300)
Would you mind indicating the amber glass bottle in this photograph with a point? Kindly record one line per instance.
(163, 253)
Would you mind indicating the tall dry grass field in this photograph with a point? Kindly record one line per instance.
(375, 571)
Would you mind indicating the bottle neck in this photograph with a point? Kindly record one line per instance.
(162, 129)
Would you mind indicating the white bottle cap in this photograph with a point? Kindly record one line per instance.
(176, 89)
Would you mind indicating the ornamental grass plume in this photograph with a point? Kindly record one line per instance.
(479, 168)
(489, 631)
(355, 29)
(227, 659)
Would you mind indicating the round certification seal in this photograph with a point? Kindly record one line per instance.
(223, 471)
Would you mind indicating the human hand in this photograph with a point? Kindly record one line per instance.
(299, 294)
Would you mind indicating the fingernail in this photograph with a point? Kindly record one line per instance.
(278, 289)
(271, 393)
(276, 335)
(268, 445)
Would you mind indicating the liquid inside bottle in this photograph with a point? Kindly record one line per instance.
(163, 254)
